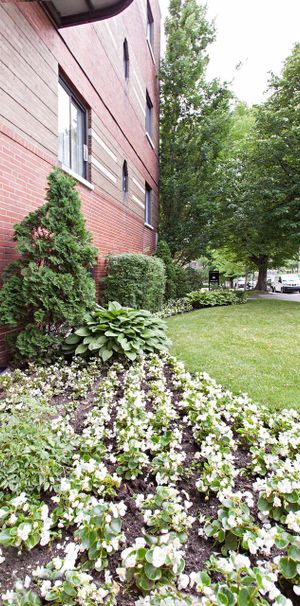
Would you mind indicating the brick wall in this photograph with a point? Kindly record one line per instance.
(32, 54)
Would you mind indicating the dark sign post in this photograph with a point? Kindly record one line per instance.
(214, 279)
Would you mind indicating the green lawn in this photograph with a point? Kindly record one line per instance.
(254, 348)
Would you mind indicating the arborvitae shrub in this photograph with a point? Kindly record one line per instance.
(163, 252)
(134, 280)
(49, 289)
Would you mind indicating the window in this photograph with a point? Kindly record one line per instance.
(125, 178)
(149, 114)
(148, 205)
(150, 26)
(72, 148)
(126, 59)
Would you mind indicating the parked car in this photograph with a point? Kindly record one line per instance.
(286, 283)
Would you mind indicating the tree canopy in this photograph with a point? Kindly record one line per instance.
(194, 115)
(257, 182)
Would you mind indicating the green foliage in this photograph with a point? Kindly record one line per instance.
(194, 115)
(186, 280)
(178, 306)
(118, 330)
(289, 564)
(32, 453)
(25, 524)
(149, 563)
(257, 187)
(213, 298)
(49, 289)
(228, 263)
(135, 280)
(21, 597)
(100, 534)
(164, 253)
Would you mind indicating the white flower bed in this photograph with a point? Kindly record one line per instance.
(166, 466)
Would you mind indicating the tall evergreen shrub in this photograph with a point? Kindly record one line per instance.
(134, 280)
(49, 288)
(163, 252)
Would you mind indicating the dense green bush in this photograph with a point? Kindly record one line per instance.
(117, 331)
(33, 453)
(134, 280)
(186, 280)
(213, 298)
(163, 252)
(49, 289)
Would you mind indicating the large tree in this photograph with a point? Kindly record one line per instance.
(194, 115)
(258, 184)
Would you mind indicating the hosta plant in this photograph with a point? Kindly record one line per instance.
(199, 299)
(117, 331)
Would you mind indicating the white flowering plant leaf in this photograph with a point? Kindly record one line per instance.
(24, 524)
(152, 561)
(100, 533)
(167, 510)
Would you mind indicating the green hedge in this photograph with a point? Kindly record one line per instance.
(134, 280)
(213, 298)
(187, 279)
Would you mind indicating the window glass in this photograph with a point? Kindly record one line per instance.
(148, 205)
(125, 177)
(149, 112)
(150, 25)
(63, 126)
(71, 131)
(126, 59)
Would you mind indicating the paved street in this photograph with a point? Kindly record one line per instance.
(282, 296)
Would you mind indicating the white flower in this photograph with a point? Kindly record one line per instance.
(183, 581)
(23, 531)
(296, 589)
(20, 500)
(140, 542)
(159, 556)
(121, 572)
(241, 561)
(45, 587)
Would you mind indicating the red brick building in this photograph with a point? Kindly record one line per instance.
(86, 98)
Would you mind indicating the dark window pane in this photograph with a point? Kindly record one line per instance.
(126, 59)
(149, 107)
(125, 177)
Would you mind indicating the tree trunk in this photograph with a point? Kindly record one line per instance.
(262, 264)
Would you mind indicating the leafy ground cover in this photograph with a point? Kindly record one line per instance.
(252, 348)
(171, 491)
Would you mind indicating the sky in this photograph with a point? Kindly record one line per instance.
(258, 34)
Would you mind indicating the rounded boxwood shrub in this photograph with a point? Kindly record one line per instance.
(134, 280)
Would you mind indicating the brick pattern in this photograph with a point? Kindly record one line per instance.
(32, 53)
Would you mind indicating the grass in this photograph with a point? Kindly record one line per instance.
(253, 348)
